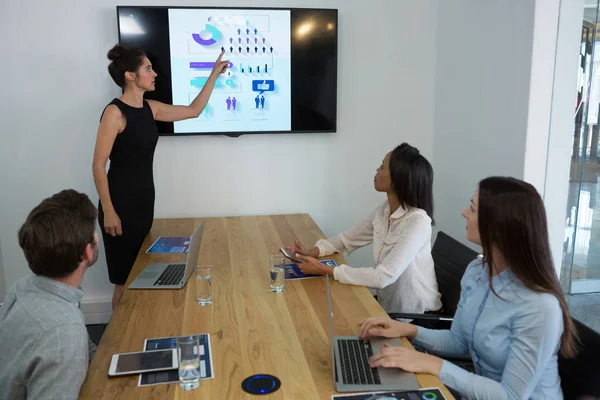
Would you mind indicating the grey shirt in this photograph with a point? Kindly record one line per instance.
(43, 341)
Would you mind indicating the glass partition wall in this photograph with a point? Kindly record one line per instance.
(581, 261)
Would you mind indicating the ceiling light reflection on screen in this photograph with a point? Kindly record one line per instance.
(129, 26)
(305, 28)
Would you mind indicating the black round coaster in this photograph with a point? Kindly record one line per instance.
(261, 384)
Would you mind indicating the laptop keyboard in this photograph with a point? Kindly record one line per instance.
(172, 275)
(354, 358)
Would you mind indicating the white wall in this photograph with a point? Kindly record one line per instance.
(510, 113)
(2, 279)
(545, 30)
(56, 85)
(515, 113)
(560, 141)
(481, 99)
(553, 94)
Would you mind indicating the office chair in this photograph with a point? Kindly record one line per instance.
(580, 376)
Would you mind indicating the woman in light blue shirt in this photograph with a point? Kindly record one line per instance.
(512, 318)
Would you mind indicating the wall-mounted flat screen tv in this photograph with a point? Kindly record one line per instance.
(282, 75)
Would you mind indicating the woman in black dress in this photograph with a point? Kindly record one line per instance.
(128, 135)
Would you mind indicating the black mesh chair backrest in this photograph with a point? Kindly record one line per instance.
(451, 259)
(580, 376)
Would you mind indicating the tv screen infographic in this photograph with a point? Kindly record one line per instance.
(281, 76)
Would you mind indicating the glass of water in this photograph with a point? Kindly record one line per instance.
(188, 354)
(204, 294)
(277, 273)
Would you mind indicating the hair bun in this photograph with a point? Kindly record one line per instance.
(116, 52)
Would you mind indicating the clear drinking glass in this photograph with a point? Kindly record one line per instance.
(277, 273)
(204, 292)
(188, 354)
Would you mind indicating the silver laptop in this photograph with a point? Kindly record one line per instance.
(351, 371)
(170, 276)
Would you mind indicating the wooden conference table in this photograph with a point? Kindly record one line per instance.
(252, 330)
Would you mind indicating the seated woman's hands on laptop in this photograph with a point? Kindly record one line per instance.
(386, 327)
(406, 359)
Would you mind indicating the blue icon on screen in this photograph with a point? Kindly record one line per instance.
(263, 86)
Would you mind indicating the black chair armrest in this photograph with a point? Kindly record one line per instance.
(431, 317)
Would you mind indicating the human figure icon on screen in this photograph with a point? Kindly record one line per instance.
(271, 49)
(233, 103)
(247, 40)
(228, 101)
(262, 102)
(257, 101)
(264, 40)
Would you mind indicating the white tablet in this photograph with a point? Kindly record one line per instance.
(143, 361)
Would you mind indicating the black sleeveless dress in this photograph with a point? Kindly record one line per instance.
(131, 187)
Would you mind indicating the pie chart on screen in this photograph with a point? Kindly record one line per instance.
(208, 36)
